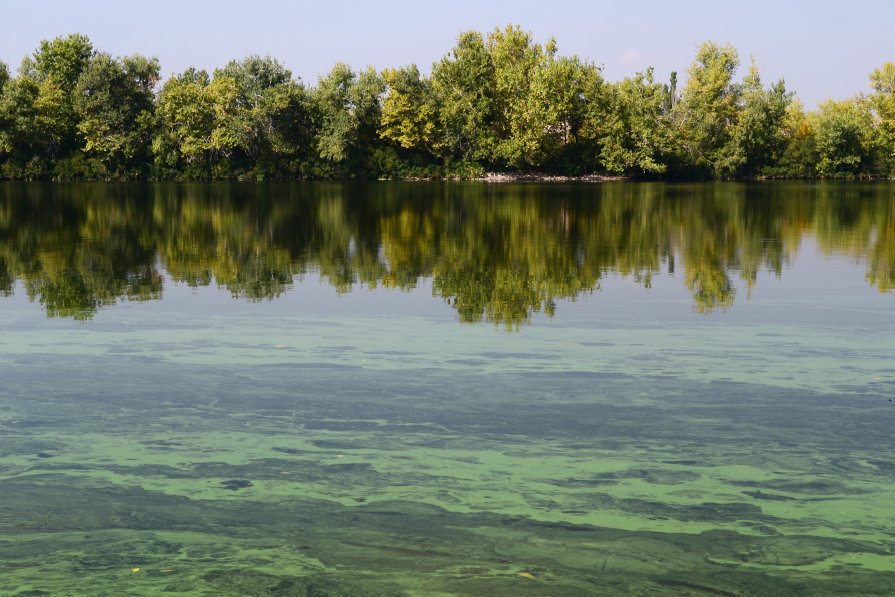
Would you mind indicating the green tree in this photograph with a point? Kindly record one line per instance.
(5, 120)
(882, 81)
(844, 138)
(799, 155)
(254, 75)
(522, 94)
(54, 118)
(62, 59)
(348, 112)
(231, 133)
(39, 122)
(56, 67)
(568, 100)
(185, 115)
(757, 137)
(261, 112)
(707, 111)
(509, 102)
(635, 130)
(18, 127)
(114, 100)
(540, 101)
(464, 87)
(284, 116)
(408, 110)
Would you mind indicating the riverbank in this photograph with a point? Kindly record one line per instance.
(534, 177)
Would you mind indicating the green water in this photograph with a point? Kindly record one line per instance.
(447, 389)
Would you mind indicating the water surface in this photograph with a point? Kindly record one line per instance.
(448, 389)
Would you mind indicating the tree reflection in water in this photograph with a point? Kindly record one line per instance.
(496, 253)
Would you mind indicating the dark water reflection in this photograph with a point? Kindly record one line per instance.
(493, 252)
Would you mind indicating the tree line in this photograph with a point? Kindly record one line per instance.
(497, 101)
(497, 253)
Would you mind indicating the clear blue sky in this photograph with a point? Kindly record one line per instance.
(822, 49)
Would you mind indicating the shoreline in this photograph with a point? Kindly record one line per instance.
(489, 177)
(498, 177)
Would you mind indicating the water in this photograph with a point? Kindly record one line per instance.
(447, 389)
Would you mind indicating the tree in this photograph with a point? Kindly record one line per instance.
(883, 102)
(253, 76)
(757, 137)
(569, 99)
(38, 123)
(6, 122)
(464, 87)
(18, 128)
(231, 131)
(799, 155)
(56, 67)
(844, 139)
(4, 75)
(708, 109)
(408, 109)
(284, 115)
(636, 134)
(510, 102)
(538, 101)
(114, 101)
(520, 124)
(252, 119)
(62, 59)
(261, 111)
(185, 114)
(348, 112)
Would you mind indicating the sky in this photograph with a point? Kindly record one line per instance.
(822, 49)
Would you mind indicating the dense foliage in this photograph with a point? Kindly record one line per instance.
(498, 101)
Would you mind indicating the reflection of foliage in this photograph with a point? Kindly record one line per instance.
(494, 253)
(6, 278)
(848, 220)
(881, 253)
(66, 295)
(711, 286)
(505, 259)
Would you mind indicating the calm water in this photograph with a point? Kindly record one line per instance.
(447, 389)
